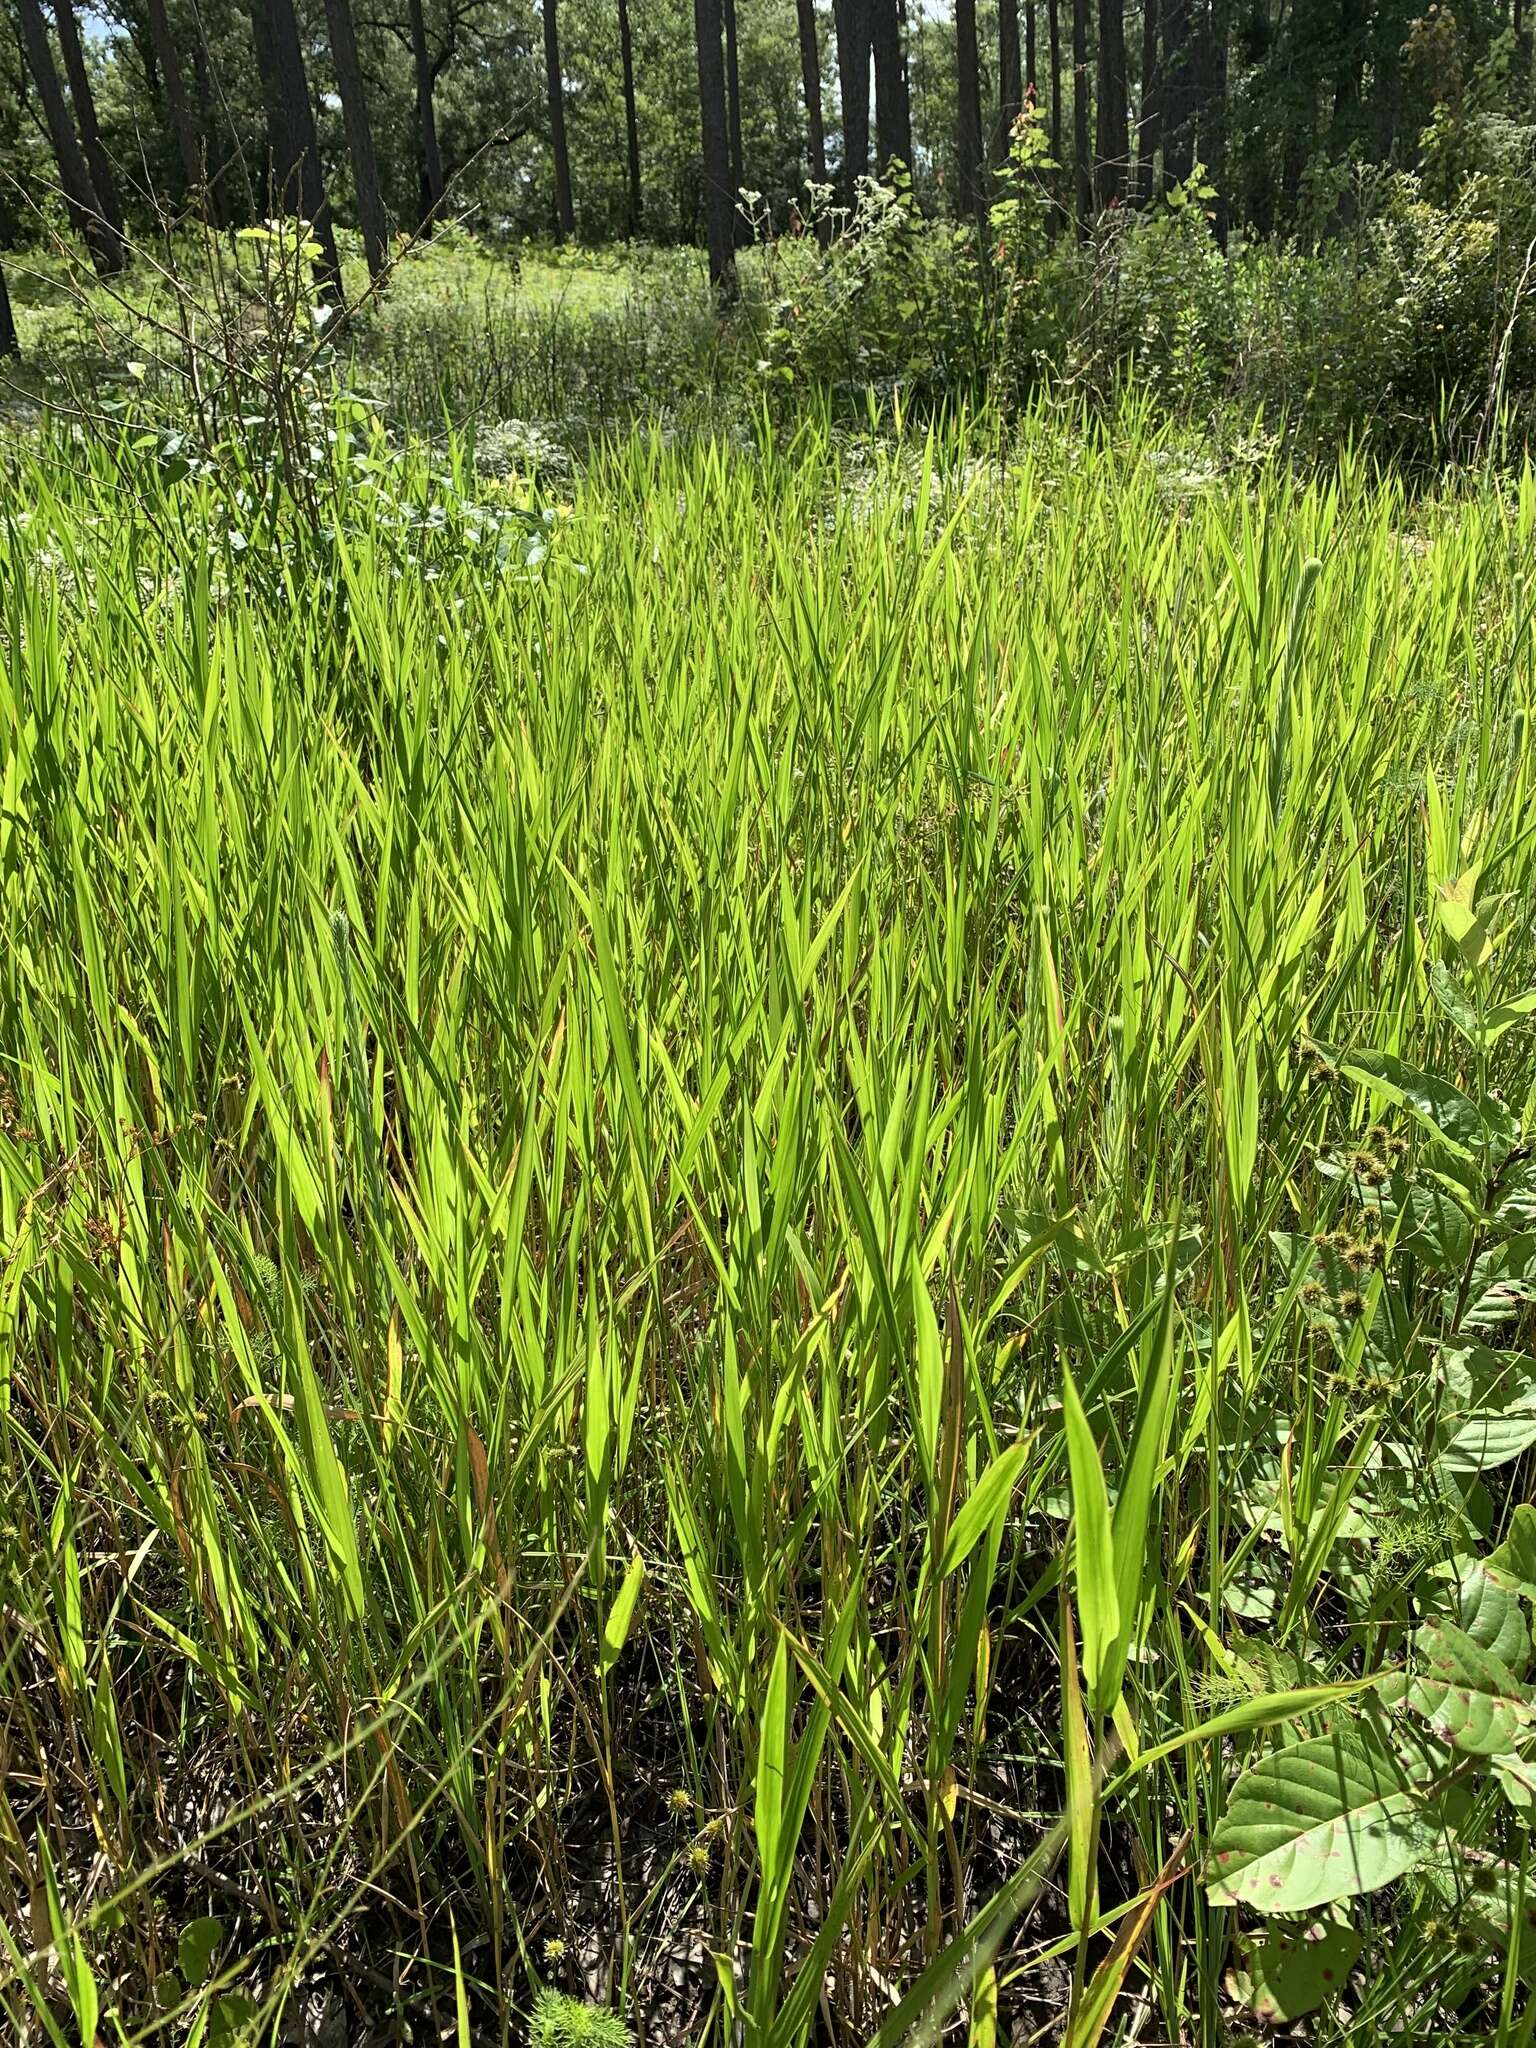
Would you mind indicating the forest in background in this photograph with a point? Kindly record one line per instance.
(600, 120)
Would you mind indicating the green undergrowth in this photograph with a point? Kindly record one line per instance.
(765, 1246)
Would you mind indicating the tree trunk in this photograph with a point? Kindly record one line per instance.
(1180, 92)
(354, 110)
(1010, 76)
(1149, 129)
(298, 181)
(97, 232)
(810, 79)
(1114, 148)
(1031, 70)
(893, 105)
(1053, 35)
(851, 19)
(9, 345)
(1082, 160)
(968, 123)
(718, 210)
(97, 160)
(428, 156)
(179, 106)
(634, 203)
(554, 82)
(1213, 112)
(741, 231)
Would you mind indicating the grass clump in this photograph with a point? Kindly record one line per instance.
(688, 1232)
(559, 2021)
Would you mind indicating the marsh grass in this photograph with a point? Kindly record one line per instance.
(566, 1128)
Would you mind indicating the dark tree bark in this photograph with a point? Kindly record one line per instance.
(1180, 91)
(634, 198)
(85, 211)
(1031, 68)
(851, 19)
(1082, 158)
(9, 344)
(1114, 147)
(741, 231)
(893, 105)
(718, 210)
(1010, 76)
(178, 105)
(84, 100)
(1149, 128)
(969, 198)
(231, 197)
(298, 181)
(1053, 32)
(429, 157)
(1213, 112)
(354, 111)
(554, 84)
(810, 79)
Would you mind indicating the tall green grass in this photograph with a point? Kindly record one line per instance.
(565, 1133)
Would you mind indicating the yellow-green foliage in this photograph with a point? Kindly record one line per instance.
(668, 1053)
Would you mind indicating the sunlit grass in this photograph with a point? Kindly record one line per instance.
(556, 1128)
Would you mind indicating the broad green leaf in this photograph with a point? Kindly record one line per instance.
(1513, 1563)
(1514, 1206)
(1292, 1971)
(1438, 1105)
(1488, 1612)
(622, 1613)
(1429, 1222)
(1491, 1407)
(197, 1947)
(987, 1500)
(1466, 1695)
(1093, 1554)
(1501, 1283)
(1481, 1895)
(773, 1766)
(1134, 1522)
(1504, 1016)
(1326, 1818)
(232, 2019)
(1456, 1003)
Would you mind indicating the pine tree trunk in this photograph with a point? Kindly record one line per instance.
(810, 79)
(1031, 69)
(9, 344)
(968, 111)
(1053, 35)
(1114, 146)
(1010, 76)
(97, 160)
(298, 180)
(718, 210)
(1149, 128)
(1180, 92)
(554, 82)
(893, 105)
(634, 201)
(429, 157)
(1213, 113)
(354, 110)
(740, 227)
(179, 106)
(85, 211)
(851, 19)
(1082, 159)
